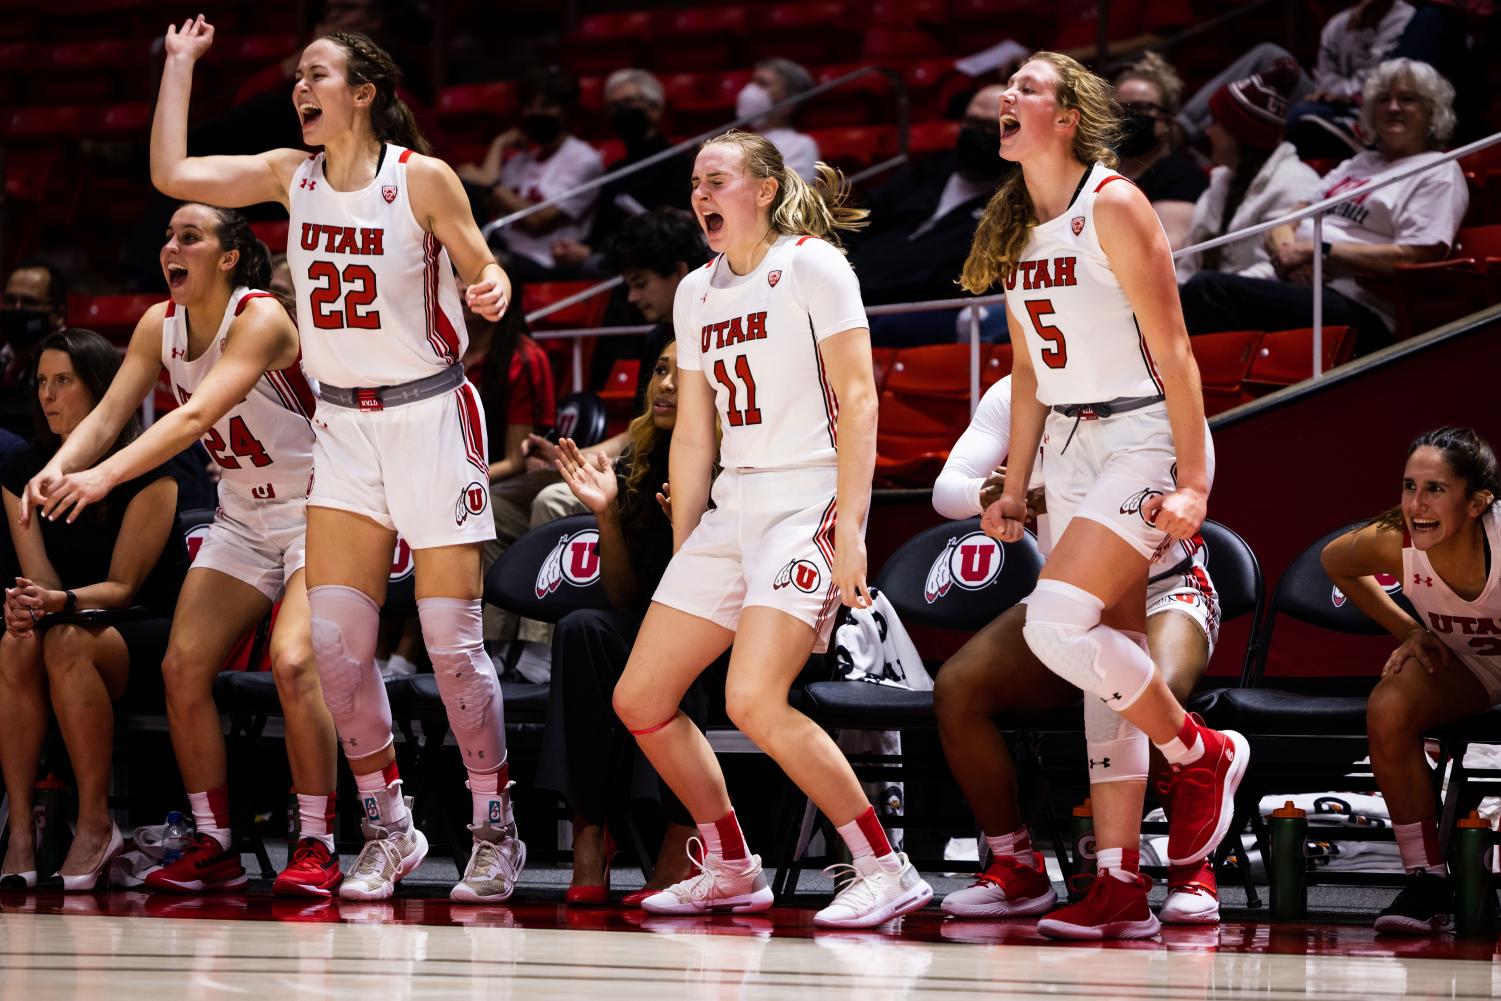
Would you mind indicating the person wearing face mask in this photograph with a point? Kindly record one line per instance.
(634, 104)
(772, 82)
(923, 219)
(34, 305)
(1151, 148)
(547, 161)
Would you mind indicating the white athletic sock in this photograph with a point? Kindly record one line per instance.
(315, 815)
(380, 798)
(1017, 844)
(211, 814)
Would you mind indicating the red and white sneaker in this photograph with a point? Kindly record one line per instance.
(719, 885)
(1201, 795)
(312, 872)
(1009, 888)
(1109, 909)
(1193, 896)
(204, 868)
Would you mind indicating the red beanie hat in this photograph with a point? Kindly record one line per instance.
(1254, 110)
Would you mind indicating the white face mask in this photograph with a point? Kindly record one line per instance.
(753, 99)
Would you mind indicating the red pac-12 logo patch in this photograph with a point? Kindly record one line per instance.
(773, 278)
(388, 192)
(1076, 224)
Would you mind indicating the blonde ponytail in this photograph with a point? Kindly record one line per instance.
(819, 209)
(1009, 216)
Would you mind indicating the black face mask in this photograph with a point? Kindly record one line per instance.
(979, 153)
(542, 129)
(631, 124)
(22, 328)
(1138, 135)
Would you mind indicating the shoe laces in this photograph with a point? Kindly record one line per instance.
(700, 886)
(859, 890)
(310, 850)
(377, 854)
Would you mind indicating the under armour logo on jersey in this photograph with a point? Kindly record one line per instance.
(309, 185)
(179, 353)
(1103, 762)
(1114, 698)
(1418, 578)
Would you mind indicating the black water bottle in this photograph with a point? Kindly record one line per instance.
(1474, 897)
(1288, 833)
(1081, 829)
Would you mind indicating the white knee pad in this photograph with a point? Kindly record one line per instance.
(452, 630)
(345, 622)
(1117, 750)
(1063, 629)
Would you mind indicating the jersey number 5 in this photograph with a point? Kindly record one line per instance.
(752, 413)
(356, 284)
(1055, 351)
(241, 443)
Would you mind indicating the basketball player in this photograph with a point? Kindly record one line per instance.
(1444, 543)
(773, 341)
(231, 353)
(1104, 380)
(996, 671)
(399, 435)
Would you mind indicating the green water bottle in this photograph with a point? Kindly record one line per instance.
(1288, 865)
(1082, 840)
(1474, 898)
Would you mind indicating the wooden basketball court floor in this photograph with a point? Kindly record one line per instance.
(133, 946)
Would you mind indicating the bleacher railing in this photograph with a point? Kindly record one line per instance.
(975, 304)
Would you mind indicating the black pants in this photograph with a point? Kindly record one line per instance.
(1214, 300)
(588, 757)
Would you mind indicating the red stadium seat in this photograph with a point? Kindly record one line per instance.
(612, 151)
(257, 50)
(476, 112)
(1485, 160)
(700, 38)
(1478, 241)
(855, 147)
(114, 316)
(587, 313)
(1430, 295)
(620, 384)
(42, 125)
(924, 408)
(806, 32)
(995, 365)
(273, 233)
(880, 365)
(1285, 357)
(116, 120)
(1224, 359)
(861, 101)
(606, 42)
(931, 137)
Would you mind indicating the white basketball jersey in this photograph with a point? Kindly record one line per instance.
(756, 339)
(264, 443)
(1471, 629)
(1080, 329)
(376, 300)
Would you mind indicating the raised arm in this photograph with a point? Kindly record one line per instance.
(260, 339)
(98, 431)
(1137, 247)
(230, 181)
(442, 208)
(846, 358)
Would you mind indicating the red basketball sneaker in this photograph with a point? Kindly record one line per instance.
(203, 868)
(1201, 795)
(1110, 909)
(312, 872)
(1009, 888)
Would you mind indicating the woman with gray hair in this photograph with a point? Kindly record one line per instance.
(774, 81)
(1409, 112)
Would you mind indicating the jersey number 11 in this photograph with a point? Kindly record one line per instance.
(752, 413)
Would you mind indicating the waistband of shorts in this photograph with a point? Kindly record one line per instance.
(291, 489)
(1108, 408)
(381, 397)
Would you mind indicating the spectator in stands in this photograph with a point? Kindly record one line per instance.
(515, 383)
(1259, 59)
(923, 219)
(126, 556)
(1408, 107)
(1256, 176)
(772, 82)
(281, 279)
(545, 161)
(1352, 44)
(1151, 150)
(588, 758)
(1441, 541)
(35, 304)
(634, 103)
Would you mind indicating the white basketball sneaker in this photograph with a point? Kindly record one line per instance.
(494, 866)
(388, 856)
(1192, 896)
(873, 895)
(721, 885)
(1009, 888)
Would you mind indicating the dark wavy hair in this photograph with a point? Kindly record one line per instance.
(390, 119)
(657, 241)
(253, 269)
(95, 361)
(1470, 457)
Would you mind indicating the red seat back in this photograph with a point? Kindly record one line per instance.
(1285, 357)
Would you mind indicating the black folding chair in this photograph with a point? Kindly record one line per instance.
(582, 417)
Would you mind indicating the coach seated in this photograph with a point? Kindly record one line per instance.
(1409, 108)
(87, 622)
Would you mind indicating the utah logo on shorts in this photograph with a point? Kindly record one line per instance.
(972, 561)
(801, 574)
(1389, 584)
(1137, 503)
(575, 559)
(472, 500)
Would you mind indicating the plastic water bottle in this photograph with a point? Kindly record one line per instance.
(1081, 832)
(177, 838)
(1288, 834)
(1474, 897)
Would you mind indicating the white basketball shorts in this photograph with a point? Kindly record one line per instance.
(421, 469)
(1191, 593)
(260, 542)
(769, 540)
(1112, 467)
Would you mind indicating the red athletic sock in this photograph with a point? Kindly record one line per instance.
(724, 838)
(865, 836)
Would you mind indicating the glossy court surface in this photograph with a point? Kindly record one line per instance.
(130, 945)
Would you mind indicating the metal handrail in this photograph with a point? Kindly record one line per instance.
(782, 105)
